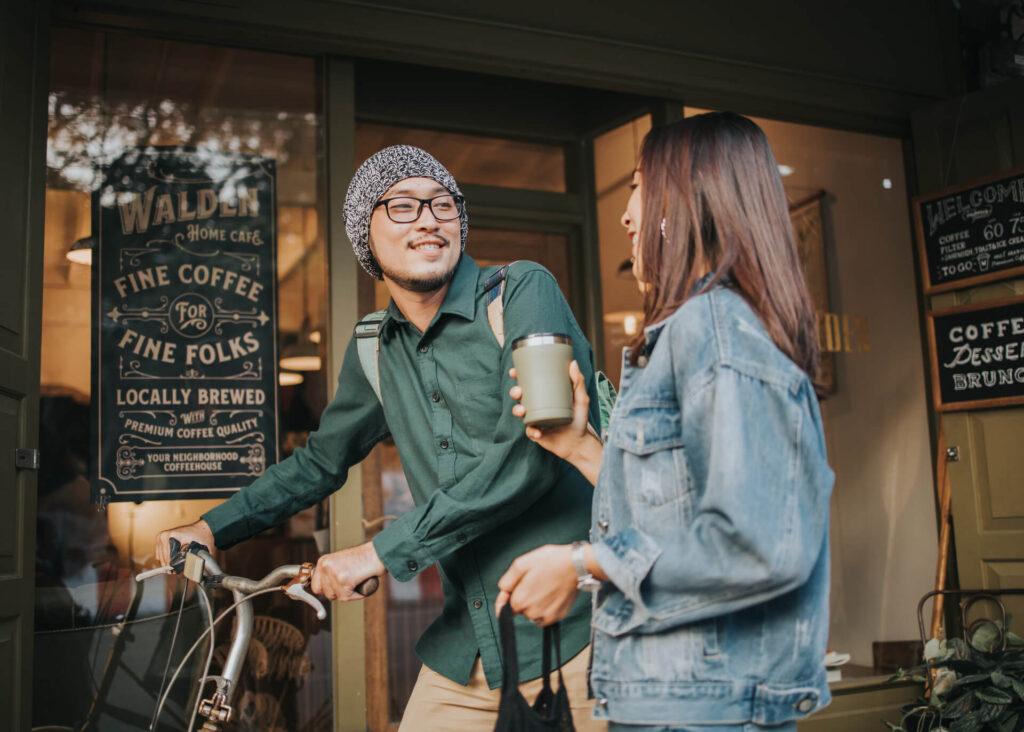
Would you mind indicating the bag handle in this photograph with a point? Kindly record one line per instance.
(510, 657)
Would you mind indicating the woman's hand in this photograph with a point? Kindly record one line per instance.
(540, 584)
(576, 442)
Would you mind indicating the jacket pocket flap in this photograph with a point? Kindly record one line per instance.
(643, 430)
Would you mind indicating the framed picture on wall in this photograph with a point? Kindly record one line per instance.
(807, 216)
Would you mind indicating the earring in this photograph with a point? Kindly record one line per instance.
(663, 234)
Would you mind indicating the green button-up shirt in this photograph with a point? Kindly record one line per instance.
(484, 493)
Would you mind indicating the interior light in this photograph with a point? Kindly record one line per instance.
(315, 337)
(301, 362)
(290, 378)
(81, 252)
(886, 183)
(785, 170)
(629, 320)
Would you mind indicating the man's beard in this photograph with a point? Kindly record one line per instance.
(429, 283)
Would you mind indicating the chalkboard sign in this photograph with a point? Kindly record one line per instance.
(977, 354)
(971, 234)
(184, 362)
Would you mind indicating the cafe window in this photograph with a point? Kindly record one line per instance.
(111, 94)
(848, 204)
(475, 159)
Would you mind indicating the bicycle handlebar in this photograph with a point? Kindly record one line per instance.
(292, 579)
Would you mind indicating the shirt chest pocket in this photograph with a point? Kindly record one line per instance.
(656, 477)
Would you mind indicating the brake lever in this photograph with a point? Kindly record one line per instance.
(296, 589)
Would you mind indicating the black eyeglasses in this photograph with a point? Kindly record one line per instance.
(405, 209)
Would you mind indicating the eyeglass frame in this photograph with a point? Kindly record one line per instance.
(460, 202)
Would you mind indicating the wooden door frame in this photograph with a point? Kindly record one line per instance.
(24, 103)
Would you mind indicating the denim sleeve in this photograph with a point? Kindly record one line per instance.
(513, 472)
(350, 426)
(760, 494)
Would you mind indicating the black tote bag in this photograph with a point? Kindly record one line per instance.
(551, 711)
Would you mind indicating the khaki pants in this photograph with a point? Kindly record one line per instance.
(438, 703)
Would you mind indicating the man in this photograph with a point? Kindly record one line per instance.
(484, 493)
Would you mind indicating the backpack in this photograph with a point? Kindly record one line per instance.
(367, 334)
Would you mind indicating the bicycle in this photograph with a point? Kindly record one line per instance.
(196, 564)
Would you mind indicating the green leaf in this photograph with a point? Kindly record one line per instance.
(967, 723)
(990, 712)
(993, 695)
(1018, 686)
(1001, 680)
(986, 637)
(894, 727)
(1012, 639)
(955, 708)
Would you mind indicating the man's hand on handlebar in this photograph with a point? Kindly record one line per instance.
(198, 532)
(338, 574)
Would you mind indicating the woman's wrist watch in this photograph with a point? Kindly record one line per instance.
(585, 581)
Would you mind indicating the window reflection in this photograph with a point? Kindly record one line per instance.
(110, 94)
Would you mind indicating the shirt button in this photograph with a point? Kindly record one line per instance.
(602, 702)
(435, 397)
(478, 603)
(603, 525)
(805, 705)
(423, 349)
(413, 566)
(444, 444)
(641, 361)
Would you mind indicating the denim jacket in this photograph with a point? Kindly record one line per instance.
(711, 520)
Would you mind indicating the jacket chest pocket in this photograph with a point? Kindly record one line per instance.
(657, 480)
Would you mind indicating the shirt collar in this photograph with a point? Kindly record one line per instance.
(461, 296)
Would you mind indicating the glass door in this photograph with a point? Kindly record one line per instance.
(520, 207)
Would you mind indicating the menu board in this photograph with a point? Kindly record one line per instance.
(977, 355)
(184, 361)
(971, 234)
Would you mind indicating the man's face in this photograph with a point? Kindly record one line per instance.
(422, 255)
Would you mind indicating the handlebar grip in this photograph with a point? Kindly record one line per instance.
(368, 586)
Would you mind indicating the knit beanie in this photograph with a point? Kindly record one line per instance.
(375, 176)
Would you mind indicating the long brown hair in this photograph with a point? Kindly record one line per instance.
(714, 182)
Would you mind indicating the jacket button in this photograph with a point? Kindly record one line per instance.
(444, 444)
(460, 537)
(478, 603)
(435, 397)
(603, 525)
(413, 566)
(423, 349)
(641, 361)
(805, 705)
(602, 702)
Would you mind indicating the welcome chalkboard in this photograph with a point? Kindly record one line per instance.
(977, 354)
(184, 362)
(971, 234)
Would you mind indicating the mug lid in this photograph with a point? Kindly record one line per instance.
(541, 339)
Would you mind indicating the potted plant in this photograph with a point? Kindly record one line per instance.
(975, 686)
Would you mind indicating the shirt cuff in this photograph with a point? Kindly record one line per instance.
(228, 525)
(627, 558)
(401, 552)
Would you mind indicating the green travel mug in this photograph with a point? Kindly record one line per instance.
(542, 366)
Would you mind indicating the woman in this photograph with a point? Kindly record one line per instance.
(710, 516)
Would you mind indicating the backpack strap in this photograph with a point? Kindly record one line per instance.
(367, 335)
(494, 299)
